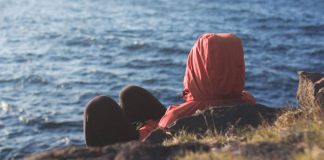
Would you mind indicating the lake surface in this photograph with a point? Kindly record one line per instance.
(57, 55)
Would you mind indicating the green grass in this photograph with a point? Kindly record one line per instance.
(304, 130)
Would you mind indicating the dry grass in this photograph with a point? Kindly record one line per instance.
(304, 130)
(209, 156)
(311, 153)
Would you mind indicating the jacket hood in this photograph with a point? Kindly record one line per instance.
(215, 68)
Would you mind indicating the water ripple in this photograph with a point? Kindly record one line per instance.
(57, 55)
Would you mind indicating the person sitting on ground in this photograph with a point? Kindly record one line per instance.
(214, 76)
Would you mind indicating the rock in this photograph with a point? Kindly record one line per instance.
(157, 136)
(123, 151)
(135, 150)
(310, 94)
(159, 152)
(219, 119)
(216, 119)
(268, 151)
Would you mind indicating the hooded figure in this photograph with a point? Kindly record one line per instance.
(215, 76)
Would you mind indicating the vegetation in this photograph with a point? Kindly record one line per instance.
(298, 133)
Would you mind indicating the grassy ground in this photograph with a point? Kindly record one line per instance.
(297, 134)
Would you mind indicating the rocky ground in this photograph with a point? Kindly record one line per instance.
(237, 132)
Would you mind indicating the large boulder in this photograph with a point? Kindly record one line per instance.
(218, 119)
(133, 150)
(145, 151)
(310, 94)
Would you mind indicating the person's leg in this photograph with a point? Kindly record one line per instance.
(140, 105)
(106, 123)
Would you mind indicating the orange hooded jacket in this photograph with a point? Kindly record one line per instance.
(215, 76)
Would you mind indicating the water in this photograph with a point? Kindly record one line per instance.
(56, 55)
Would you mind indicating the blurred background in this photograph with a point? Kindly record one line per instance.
(57, 55)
